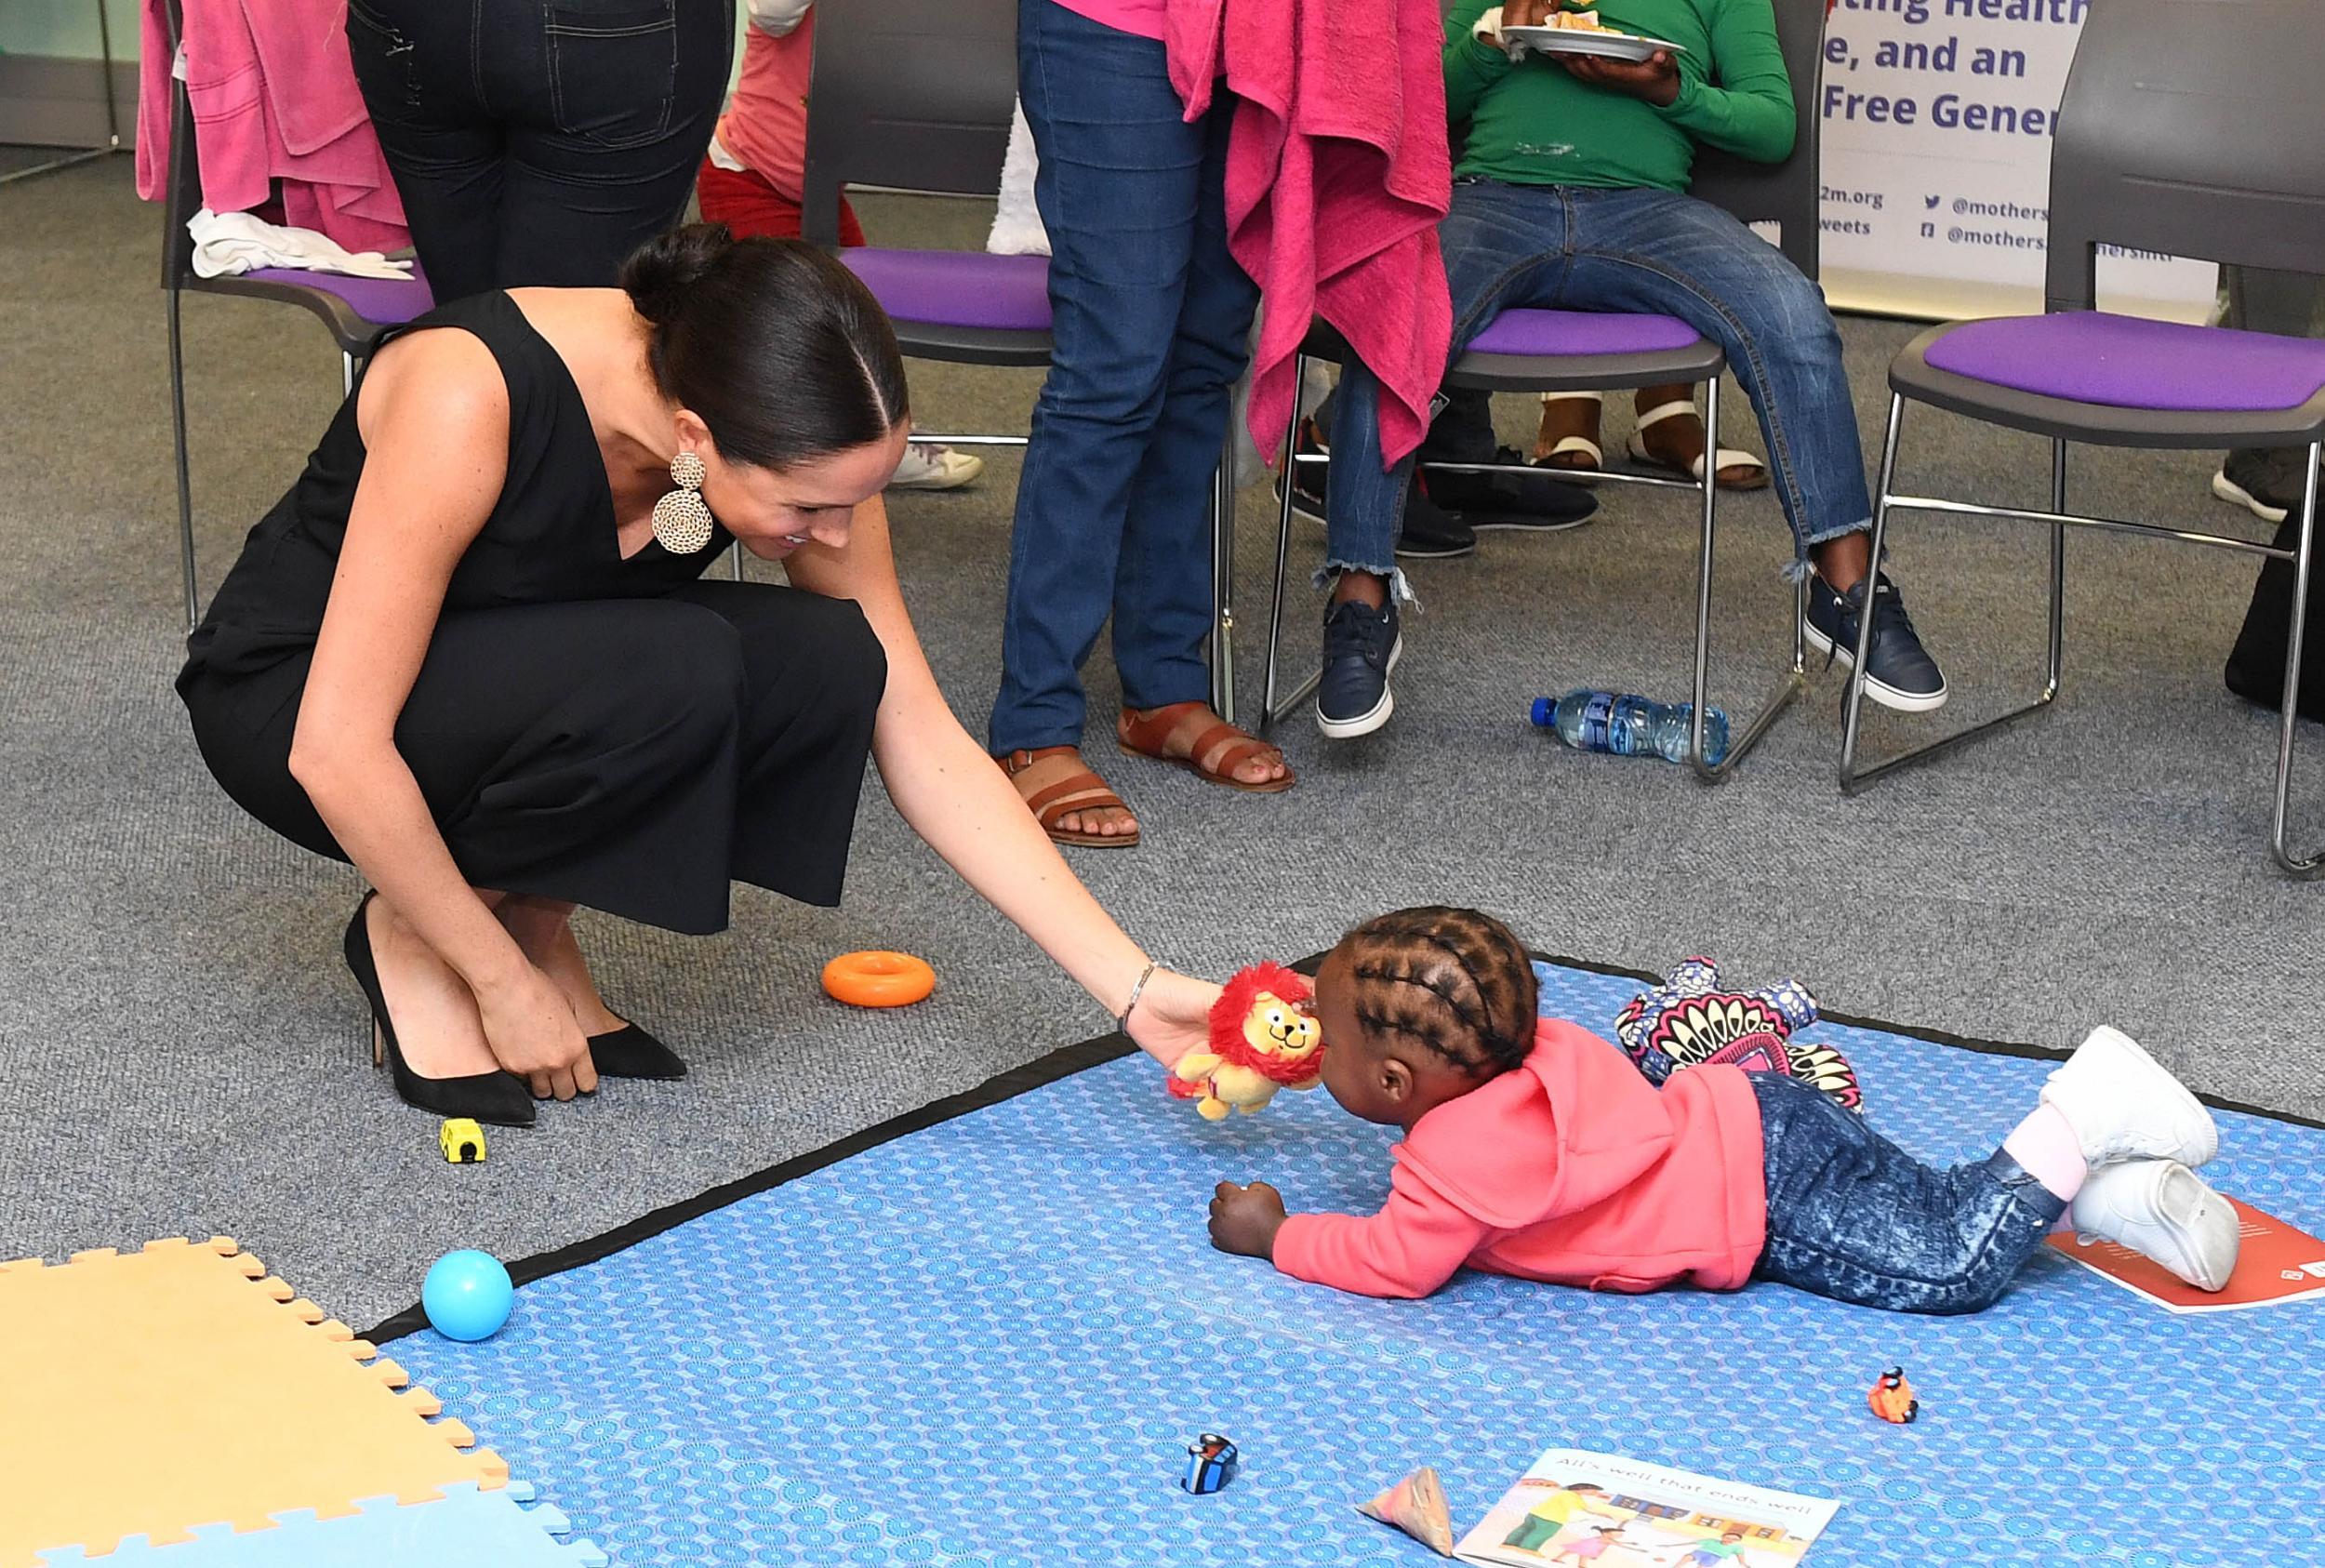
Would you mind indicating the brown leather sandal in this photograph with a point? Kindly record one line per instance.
(1054, 783)
(1191, 736)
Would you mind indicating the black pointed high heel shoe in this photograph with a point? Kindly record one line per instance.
(485, 1097)
(630, 1052)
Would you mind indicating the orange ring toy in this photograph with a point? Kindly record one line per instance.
(878, 979)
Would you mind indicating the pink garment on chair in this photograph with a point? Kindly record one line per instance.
(275, 98)
(1337, 172)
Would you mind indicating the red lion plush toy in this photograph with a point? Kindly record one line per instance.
(1262, 1039)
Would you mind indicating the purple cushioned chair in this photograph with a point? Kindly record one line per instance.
(357, 310)
(917, 95)
(1578, 351)
(2157, 149)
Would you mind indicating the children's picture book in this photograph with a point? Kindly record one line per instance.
(1578, 1509)
(2276, 1263)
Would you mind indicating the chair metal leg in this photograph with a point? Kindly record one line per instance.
(1223, 583)
(1853, 779)
(185, 482)
(2302, 559)
(1793, 684)
(735, 561)
(1270, 710)
(347, 374)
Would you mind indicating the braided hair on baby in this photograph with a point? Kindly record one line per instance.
(1456, 980)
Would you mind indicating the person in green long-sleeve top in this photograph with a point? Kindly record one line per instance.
(1570, 194)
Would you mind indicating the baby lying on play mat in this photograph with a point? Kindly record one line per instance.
(1535, 1148)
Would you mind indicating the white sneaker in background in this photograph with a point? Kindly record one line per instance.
(927, 466)
(2164, 1211)
(2125, 1104)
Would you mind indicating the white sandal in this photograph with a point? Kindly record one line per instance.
(1566, 444)
(1728, 456)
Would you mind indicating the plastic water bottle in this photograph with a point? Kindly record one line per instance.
(1629, 727)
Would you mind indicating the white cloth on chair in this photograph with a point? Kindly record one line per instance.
(228, 243)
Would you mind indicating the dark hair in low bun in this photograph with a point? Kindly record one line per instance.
(783, 352)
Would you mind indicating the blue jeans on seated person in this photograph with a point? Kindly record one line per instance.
(1151, 321)
(1852, 1217)
(1643, 252)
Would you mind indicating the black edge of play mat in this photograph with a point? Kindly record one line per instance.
(1064, 1063)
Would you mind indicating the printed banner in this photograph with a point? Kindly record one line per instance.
(1938, 119)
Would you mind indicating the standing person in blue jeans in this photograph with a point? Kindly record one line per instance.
(1597, 217)
(1149, 321)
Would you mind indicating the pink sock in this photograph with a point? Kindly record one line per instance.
(2046, 1145)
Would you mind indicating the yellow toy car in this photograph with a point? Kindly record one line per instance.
(462, 1141)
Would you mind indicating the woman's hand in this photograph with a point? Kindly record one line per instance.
(1173, 1016)
(1245, 1219)
(1656, 78)
(534, 1035)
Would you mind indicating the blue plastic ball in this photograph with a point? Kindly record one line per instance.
(467, 1294)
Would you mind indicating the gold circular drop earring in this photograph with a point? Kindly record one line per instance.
(681, 520)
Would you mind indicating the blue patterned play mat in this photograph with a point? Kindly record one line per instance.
(988, 1342)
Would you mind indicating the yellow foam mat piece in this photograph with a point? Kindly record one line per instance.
(148, 1392)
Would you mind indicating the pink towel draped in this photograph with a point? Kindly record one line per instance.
(275, 98)
(1337, 172)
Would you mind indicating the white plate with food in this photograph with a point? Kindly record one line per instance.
(1601, 41)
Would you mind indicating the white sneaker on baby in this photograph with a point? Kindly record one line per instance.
(2164, 1211)
(2125, 1104)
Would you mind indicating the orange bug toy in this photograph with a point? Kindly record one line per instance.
(1262, 1039)
(1891, 1397)
(878, 979)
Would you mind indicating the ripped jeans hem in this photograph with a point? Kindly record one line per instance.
(1400, 587)
(1800, 569)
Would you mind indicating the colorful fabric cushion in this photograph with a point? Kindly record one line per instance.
(1691, 1018)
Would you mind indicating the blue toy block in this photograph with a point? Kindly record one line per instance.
(464, 1528)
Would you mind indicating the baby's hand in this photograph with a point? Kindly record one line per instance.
(1245, 1219)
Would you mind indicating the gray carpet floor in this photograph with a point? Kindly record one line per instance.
(181, 1051)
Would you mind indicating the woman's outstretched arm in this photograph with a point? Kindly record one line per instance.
(958, 799)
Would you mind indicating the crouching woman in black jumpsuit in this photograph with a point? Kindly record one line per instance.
(468, 653)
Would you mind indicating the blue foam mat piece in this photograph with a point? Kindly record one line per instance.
(464, 1528)
(986, 1344)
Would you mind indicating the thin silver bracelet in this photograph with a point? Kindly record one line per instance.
(1136, 991)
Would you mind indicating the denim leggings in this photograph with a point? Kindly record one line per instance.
(539, 142)
(1852, 1217)
(1150, 316)
(1641, 251)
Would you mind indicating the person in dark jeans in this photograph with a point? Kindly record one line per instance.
(539, 142)
(1149, 321)
(1598, 217)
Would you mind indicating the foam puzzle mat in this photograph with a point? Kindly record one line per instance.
(179, 1403)
(465, 1527)
(988, 1342)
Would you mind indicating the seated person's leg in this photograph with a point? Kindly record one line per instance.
(1735, 288)
(1463, 432)
(1674, 439)
(1492, 234)
(1362, 506)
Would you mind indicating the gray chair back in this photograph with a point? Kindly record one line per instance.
(1788, 193)
(2193, 129)
(913, 94)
